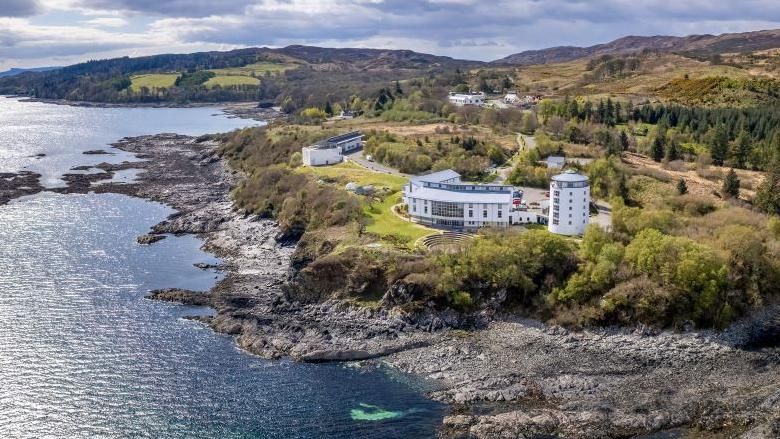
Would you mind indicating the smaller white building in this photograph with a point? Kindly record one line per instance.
(511, 97)
(331, 151)
(569, 204)
(317, 156)
(556, 162)
(463, 99)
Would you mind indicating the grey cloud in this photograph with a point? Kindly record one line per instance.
(19, 8)
(173, 8)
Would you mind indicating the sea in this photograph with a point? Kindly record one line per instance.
(83, 354)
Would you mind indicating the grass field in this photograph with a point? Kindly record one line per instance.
(380, 218)
(383, 222)
(154, 80)
(350, 172)
(230, 81)
(259, 69)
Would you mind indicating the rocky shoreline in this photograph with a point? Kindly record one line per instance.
(514, 378)
(243, 110)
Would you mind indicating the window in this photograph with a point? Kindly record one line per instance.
(569, 215)
(471, 214)
(569, 222)
(484, 214)
(426, 210)
(414, 208)
(447, 210)
(500, 213)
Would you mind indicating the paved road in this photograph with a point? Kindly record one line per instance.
(358, 158)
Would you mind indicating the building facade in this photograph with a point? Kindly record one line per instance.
(317, 156)
(442, 200)
(331, 151)
(569, 204)
(462, 99)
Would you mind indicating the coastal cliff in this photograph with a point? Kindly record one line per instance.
(504, 377)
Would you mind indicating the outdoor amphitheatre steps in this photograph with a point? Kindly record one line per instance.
(446, 240)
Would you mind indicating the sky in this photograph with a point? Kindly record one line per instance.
(35, 33)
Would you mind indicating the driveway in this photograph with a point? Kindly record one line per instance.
(357, 157)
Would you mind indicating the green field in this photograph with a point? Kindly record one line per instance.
(380, 218)
(154, 80)
(230, 81)
(259, 69)
(383, 222)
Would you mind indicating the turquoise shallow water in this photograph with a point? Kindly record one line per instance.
(83, 354)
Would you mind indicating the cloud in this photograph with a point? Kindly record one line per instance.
(178, 8)
(19, 8)
(472, 29)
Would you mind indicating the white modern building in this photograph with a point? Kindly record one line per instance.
(556, 162)
(462, 99)
(442, 200)
(331, 151)
(569, 204)
(511, 97)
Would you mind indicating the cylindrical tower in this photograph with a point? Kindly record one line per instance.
(569, 204)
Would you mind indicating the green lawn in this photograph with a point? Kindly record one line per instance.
(230, 81)
(259, 69)
(349, 172)
(154, 80)
(381, 220)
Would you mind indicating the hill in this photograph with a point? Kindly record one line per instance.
(238, 75)
(693, 45)
(15, 71)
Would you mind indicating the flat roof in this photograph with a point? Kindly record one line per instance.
(474, 197)
(344, 137)
(436, 177)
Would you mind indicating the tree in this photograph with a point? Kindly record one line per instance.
(682, 187)
(328, 108)
(740, 150)
(530, 124)
(673, 152)
(731, 185)
(768, 194)
(624, 140)
(718, 139)
(658, 149)
(398, 90)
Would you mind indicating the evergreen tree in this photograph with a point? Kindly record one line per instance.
(768, 193)
(658, 149)
(624, 140)
(731, 185)
(718, 139)
(328, 108)
(398, 90)
(673, 152)
(740, 151)
(682, 187)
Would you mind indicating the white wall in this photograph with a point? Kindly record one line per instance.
(351, 145)
(421, 211)
(573, 209)
(321, 157)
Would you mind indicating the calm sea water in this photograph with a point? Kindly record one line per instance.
(64, 133)
(84, 355)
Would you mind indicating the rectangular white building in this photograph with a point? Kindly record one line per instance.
(318, 156)
(462, 99)
(331, 151)
(442, 200)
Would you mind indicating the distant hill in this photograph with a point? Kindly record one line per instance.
(239, 75)
(15, 71)
(693, 45)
